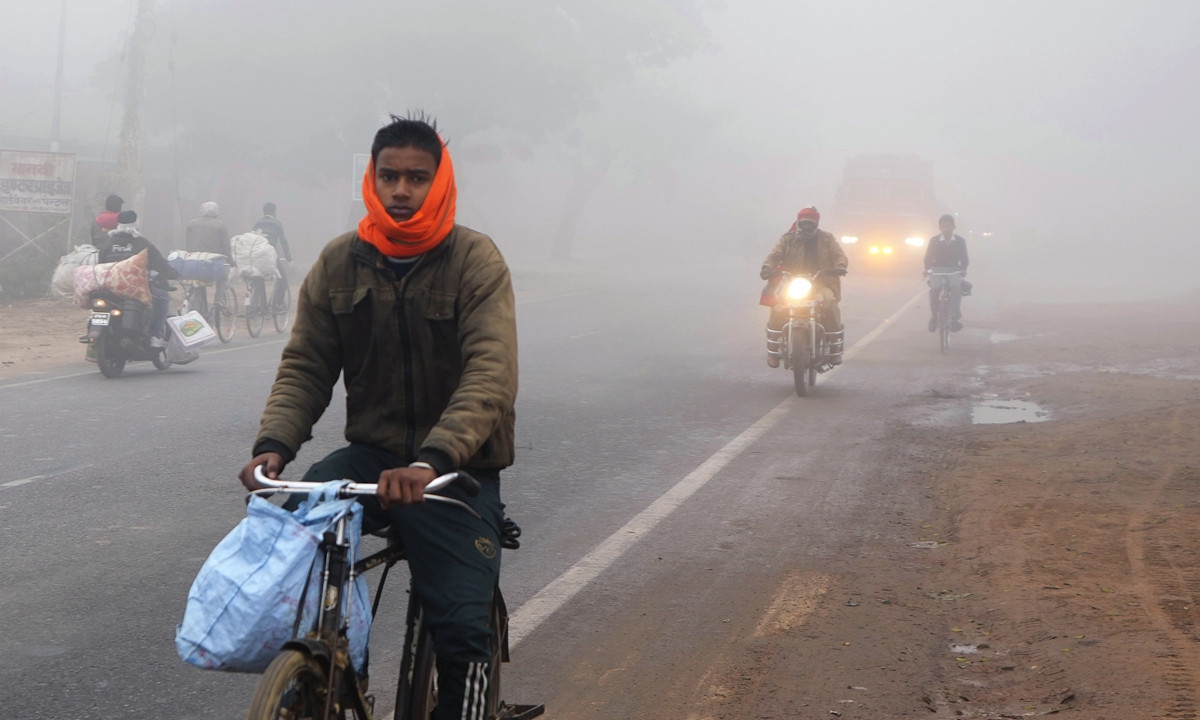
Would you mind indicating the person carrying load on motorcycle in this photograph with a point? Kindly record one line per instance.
(947, 251)
(803, 250)
(417, 315)
(124, 242)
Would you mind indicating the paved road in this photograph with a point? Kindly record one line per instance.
(636, 390)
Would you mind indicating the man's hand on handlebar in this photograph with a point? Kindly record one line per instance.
(404, 485)
(272, 465)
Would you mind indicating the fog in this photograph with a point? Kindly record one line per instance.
(655, 131)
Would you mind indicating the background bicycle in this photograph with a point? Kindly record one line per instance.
(940, 279)
(197, 273)
(263, 301)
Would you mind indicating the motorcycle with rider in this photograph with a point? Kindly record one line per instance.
(121, 328)
(803, 273)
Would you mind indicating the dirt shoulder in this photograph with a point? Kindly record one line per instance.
(39, 335)
(1066, 573)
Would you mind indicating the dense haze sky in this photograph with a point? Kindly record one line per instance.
(1067, 128)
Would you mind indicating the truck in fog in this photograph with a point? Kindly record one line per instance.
(884, 212)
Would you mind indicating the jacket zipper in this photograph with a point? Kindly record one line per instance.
(410, 391)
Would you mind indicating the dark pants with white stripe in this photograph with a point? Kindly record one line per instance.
(454, 559)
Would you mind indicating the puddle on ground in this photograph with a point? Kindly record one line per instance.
(999, 412)
(999, 337)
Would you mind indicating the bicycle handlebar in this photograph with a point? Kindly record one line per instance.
(350, 489)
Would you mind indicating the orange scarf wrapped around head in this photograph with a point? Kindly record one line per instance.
(421, 233)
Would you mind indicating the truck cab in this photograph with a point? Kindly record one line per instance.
(884, 212)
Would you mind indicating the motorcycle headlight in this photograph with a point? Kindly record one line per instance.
(799, 289)
(99, 303)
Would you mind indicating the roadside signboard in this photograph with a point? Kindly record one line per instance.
(39, 182)
(356, 175)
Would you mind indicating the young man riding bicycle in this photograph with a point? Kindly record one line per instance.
(417, 314)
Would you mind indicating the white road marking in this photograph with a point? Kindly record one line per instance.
(23, 481)
(558, 592)
(26, 481)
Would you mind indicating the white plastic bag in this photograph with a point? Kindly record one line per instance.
(62, 282)
(253, 253)
(243, 605)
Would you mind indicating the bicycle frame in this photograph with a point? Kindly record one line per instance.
(939, 279)
(328, 644)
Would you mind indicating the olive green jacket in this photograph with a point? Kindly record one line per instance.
(429, 362)
(795, 255)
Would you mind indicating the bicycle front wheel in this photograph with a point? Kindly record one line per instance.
(944, 325)
(294, 687)
(225, 314)
(256, 310)
(281, 308)
(416, 694)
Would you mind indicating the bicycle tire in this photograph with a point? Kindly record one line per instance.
(224, 314)
(293, 686)
(498, 624)
(944, 324)
(256, 310)
(281, 307)
(416, 691)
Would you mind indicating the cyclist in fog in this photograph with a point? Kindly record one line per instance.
(208, 234)
(947, 251)
(417, 315)
(269, 227)
(803, 250)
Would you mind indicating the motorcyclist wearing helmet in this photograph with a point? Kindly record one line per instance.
(803, 250)
(947, 250)
(123, 243)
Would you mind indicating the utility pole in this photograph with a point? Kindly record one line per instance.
(56, 121)
(131, 169)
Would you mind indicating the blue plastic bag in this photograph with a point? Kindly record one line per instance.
(243, 604)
